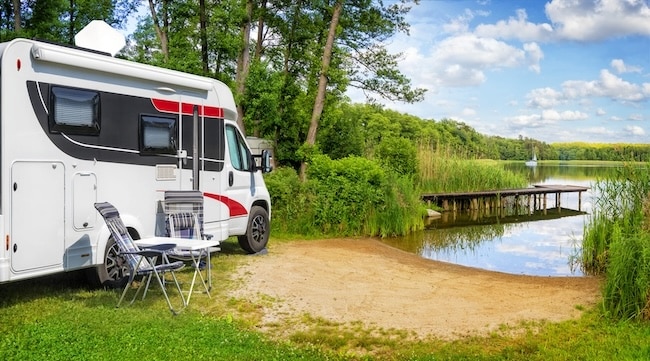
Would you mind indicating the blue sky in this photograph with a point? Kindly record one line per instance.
(552, 70)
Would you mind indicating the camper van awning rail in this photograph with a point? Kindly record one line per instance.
(96, 62)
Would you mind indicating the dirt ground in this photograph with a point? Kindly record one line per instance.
(350, 280)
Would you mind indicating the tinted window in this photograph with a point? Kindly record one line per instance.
(158, 135)
(74, 111)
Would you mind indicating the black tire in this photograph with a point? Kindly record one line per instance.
(113, 272)
(257, 231)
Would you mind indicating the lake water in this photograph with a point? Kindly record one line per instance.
(540, 244)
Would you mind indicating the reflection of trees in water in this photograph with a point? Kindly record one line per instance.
(449, 239)
(541, 172)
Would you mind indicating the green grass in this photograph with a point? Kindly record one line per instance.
(60, 318)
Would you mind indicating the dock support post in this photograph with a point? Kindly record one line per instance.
(580, 201)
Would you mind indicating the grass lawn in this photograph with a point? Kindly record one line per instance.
(61, 318)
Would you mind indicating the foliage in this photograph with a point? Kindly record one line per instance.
(603, 151)
(348, 196)
(60, 20)
(399, 155)
(617, 241)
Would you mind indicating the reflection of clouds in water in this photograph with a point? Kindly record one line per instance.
(551, 255)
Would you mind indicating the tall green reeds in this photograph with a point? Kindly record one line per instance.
(617, 241)
(441, 170)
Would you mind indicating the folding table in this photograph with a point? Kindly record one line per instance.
(187, 244)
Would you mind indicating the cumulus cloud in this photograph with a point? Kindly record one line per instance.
(620, 67)
(544, 98)
(609, 85)
(634, 130)
(554, 115)
(516, 28)
(589, 20)
(534, 55)
(462, 60)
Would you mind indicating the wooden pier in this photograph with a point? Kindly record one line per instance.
(535, 197)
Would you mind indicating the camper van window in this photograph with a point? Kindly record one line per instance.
(239, 155)
(158, 135)
(74, 111)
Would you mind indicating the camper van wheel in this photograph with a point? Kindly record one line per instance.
(257, 232)
(113, 273)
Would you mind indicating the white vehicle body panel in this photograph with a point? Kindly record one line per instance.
(52, 173)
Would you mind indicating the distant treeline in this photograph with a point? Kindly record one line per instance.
(361, 129)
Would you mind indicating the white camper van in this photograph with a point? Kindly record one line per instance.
(79, 127)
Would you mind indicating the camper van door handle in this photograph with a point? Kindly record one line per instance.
(231, 179)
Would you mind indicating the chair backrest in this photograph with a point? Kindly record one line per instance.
(184, 210)
(122, 237)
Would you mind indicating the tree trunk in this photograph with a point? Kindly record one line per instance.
(17, 19)
(161, 30)
(260, 31)
(204, 36)
(319, 102)
(71, 23)
(243, 62)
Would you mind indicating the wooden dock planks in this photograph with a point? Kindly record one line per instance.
(536, 197)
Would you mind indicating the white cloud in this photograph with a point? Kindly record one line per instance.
(461, 23)
(600, 112)
(466, 112)
(636, 117)
(634, 130)
(516, 28)
(473, 51)
(544, 98)
(602, 131)
(609, 85)
(533, 56)
(589, 20)
(554, 115)
(620, 67)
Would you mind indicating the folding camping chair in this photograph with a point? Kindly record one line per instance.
(184, 219)
(146, 263)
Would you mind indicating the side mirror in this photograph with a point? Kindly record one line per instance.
(266, 161)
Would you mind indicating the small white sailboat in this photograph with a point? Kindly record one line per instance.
(533, 161)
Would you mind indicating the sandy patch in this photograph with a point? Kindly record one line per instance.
(348, 280)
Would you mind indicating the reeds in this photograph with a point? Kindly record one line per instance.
(617, 241)
(442, 170)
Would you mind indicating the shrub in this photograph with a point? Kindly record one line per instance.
(348, 196)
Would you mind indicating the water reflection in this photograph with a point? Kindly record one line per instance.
(542, 243)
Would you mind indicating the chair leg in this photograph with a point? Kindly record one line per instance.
(162, 287)
(126, 288)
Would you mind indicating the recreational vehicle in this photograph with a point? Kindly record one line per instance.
(79, 127)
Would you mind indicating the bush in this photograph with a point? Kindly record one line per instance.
(399, 155)
(348, 196)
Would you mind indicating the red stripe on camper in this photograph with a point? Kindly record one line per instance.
(236, 208)
(170, 106)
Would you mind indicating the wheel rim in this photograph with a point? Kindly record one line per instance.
(258, 229)
(115, 267)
